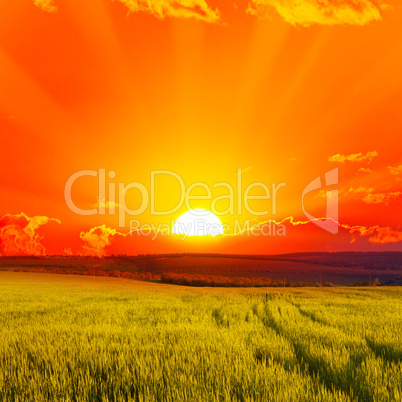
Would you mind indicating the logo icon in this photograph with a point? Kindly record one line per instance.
(330, 223)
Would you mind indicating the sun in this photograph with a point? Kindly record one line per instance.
(198, 222)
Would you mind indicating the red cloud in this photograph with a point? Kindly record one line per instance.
(359, 157)
(46, 5)
(365, 170)
(18, 234)
(97, 239)
(198, 9)
(296, 12)
(382, 198)
(377, 234)
(327, 12)
(386, 235)
(395, 170)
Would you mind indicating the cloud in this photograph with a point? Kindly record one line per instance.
(359, 157)
(68, 251)
(386, 235)
(377, 234)
(322, 12)
(361, 190)
(46, 5)
(102, 203)
(395, 170)
(296, 12)
(370, 197)
(382, 198)
(198, 9)
(365, 170)
(97, 239)
(326, 194)
(18, 234)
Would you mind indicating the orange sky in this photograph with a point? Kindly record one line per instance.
(285, 90)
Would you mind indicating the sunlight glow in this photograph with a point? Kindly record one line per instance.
(198, 222)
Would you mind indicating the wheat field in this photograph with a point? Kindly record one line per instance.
(72, 338)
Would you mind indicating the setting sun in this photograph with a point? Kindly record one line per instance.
(198, 222)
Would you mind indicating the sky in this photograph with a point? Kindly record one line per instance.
(258, 91)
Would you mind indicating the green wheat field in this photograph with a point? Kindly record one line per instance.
(71, 338)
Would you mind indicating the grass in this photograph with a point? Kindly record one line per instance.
(75, 338)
